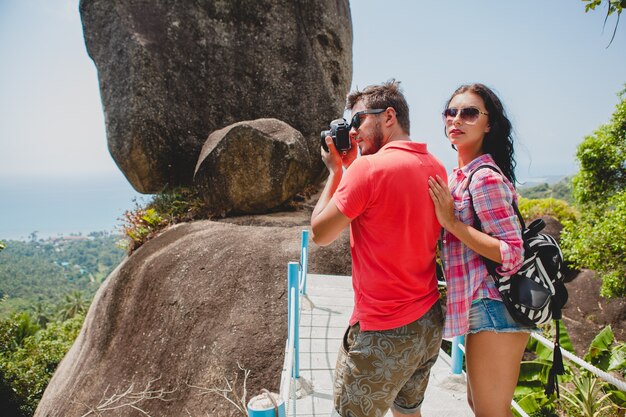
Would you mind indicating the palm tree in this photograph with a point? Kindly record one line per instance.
(42, 314)
(73, 304)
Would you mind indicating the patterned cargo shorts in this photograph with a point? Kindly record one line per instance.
(380, 369)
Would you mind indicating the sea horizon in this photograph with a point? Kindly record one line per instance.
(63, 206)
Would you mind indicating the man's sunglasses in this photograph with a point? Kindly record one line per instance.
(468, 114)
(356, 119)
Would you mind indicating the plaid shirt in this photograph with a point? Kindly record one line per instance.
(465, 271)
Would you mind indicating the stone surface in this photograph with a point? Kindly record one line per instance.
(180, 314)
(172, 72)
(252, 167)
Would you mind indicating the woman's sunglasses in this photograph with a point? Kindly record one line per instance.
(356, 119)
(468, 115)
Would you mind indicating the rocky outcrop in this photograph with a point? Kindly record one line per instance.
(180, 314)
(172, 72)
(252, 167)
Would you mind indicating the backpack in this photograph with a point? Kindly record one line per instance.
(535, 294)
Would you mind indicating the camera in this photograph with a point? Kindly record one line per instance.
(340, 132)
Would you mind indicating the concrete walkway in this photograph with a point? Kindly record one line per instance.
(325, 312)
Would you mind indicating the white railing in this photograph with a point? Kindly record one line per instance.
(458, 351)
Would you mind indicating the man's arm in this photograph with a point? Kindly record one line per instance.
(327, 222)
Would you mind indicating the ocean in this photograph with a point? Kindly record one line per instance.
(53, 207)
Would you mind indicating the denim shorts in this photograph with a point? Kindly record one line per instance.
(491, 315)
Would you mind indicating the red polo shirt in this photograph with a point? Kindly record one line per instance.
(393, 234)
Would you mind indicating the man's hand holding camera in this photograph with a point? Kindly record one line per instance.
(338, 146)
(333, 159)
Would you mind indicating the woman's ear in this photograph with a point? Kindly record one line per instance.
(488, 128)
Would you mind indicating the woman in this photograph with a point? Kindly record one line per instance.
(477, 127)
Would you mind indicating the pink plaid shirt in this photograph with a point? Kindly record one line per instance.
(465, 271)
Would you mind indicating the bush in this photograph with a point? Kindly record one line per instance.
(559, 209)
(143, 223)
(598, 242)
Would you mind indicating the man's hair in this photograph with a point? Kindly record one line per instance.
(382, 96)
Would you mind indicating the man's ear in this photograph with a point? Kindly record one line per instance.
(390, 114)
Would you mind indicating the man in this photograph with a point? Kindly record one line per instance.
(396, 325)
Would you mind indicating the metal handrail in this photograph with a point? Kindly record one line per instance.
(296, 282)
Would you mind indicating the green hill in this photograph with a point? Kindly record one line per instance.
(44, 271)
(561, 190)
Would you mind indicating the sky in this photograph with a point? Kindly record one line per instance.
(547, 60)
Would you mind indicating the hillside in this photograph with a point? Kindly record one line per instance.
(43, 271)
(561, 190)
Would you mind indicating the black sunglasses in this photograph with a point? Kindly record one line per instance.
(356, 119)
(467, 114)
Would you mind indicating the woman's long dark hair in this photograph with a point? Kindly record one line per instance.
(499, 140)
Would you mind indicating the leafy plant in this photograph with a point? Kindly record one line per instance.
(170, 207)
(610, 356)
(529, 393)
(586, 396)
(141, 225)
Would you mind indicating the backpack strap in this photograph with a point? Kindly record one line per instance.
(476, 219)
(557, 368)
(491, 265)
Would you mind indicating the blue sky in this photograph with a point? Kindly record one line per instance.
(547, 60)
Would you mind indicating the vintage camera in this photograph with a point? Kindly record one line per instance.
(340, 132)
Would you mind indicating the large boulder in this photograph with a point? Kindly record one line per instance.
(252, 167)
(172, 72)
(180, 315)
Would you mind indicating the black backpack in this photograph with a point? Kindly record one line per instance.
(535, 294)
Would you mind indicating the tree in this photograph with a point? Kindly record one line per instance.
(73, 304)
(598, 239)
(613, 6)
(26, 369)
(602, 158)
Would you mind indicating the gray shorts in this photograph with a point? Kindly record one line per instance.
(380, 369)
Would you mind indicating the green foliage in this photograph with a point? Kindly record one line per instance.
(141, 225)
(73, 304)
(42, 272)
(174, 206)
(529, 393)
(610, 356)
(613, 6)
(26, 367)
(602, 158)
(180, 205)
(585, 397)
(2, 245)
(562, 190)
(584, 394)
(598, 239)
(559, 209)
(598, 242)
